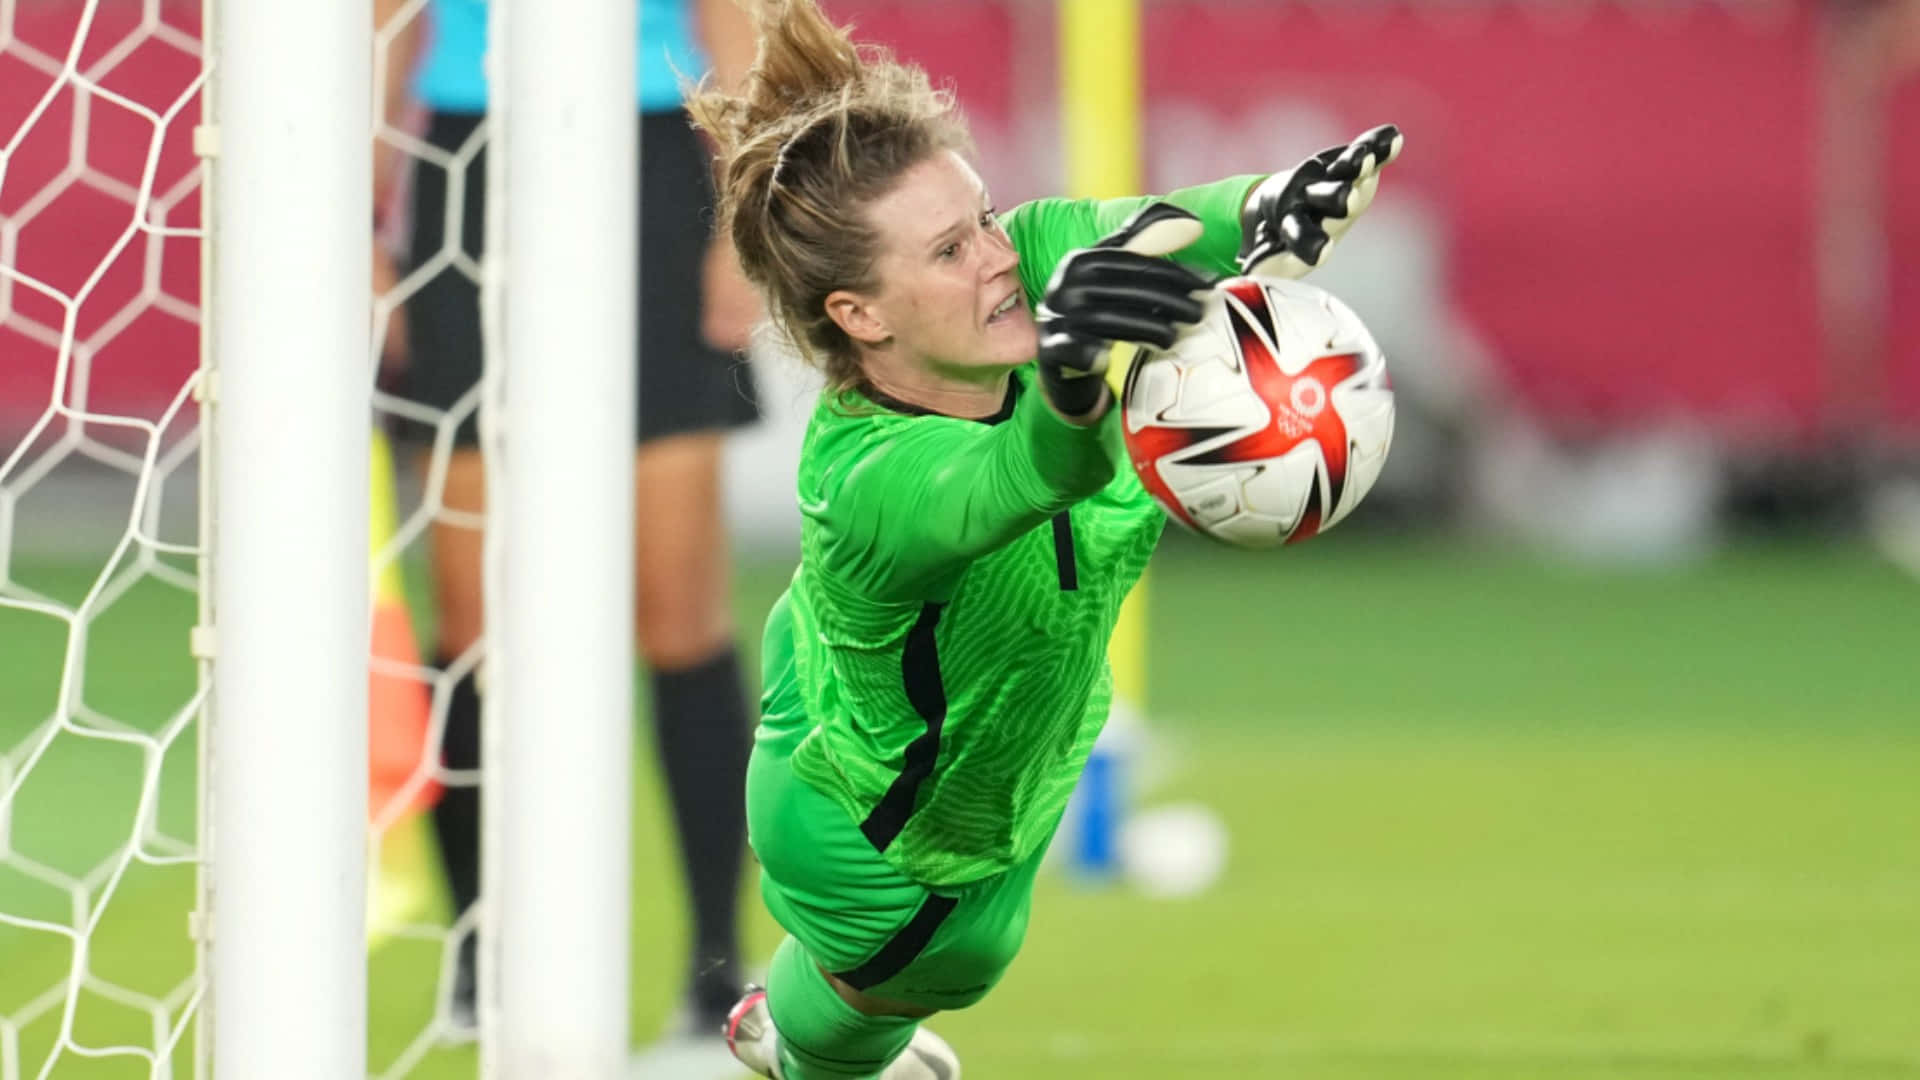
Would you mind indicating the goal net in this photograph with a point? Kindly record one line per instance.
(99, 533)
(104, 538)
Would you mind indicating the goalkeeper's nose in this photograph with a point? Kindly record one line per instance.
(1001, 258)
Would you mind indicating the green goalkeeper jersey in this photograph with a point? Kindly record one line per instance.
(941, 651)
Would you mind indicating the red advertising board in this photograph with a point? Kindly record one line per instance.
(1626, 195)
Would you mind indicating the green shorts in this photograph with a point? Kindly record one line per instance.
(860, 918)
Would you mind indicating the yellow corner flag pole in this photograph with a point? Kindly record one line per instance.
(1100, 97)
(1100, 90)
(1100, 93)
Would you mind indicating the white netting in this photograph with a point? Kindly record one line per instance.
(99, 268)
(414, 1031)
(101, 572)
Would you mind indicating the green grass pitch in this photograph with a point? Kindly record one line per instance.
(1490, 819)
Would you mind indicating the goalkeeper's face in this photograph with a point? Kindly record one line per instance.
(948, 299)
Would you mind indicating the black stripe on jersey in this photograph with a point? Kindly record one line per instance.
(927, 693)
(1063, 552)
(903, 947)
(893, 404)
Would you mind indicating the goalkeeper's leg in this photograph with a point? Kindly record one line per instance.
(871, 951)
(817, 1035)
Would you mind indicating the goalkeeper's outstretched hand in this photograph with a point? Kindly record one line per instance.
(1293, 219)
(1121, 289)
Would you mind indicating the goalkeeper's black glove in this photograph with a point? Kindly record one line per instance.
(1294, 219)
(1121, 289)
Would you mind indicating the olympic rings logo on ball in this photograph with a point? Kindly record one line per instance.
(1308, 397)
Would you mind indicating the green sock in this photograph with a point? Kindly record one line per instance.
(821, 1036)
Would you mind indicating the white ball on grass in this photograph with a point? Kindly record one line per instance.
(1173, 851)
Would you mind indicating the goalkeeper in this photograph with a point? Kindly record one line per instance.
(936, 672)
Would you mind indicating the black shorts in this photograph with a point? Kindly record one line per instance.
(686, 385)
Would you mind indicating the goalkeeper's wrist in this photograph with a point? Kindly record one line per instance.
(1072, 402)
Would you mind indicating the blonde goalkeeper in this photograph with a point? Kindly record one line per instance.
(936, 673)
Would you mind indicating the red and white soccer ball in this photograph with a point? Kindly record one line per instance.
(1267, 421)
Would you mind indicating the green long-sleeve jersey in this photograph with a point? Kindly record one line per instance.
(941, 651)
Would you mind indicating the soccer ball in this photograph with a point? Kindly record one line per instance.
(1267, 421)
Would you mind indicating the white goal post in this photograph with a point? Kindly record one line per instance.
(286, 853)
(122, 369)
(559, 743)
(284, 843)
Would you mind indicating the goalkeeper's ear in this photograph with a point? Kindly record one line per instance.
(1155, 229)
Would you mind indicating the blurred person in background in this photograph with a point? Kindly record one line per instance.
(697, 312)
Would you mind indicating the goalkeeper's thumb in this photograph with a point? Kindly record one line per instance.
(1157, 228)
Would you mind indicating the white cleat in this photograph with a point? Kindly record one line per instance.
(753, 1040)
(927, 1057)
(750, 1034)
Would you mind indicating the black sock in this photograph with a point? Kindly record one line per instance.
(456, 817)
(703, 736)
